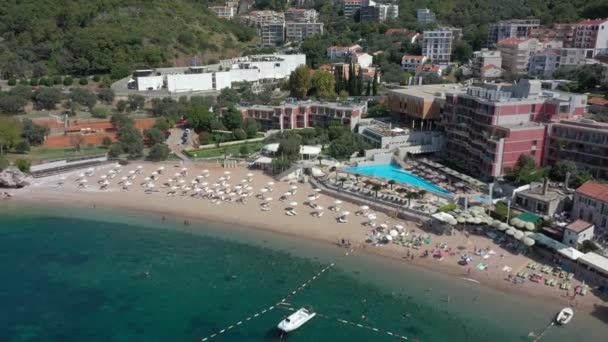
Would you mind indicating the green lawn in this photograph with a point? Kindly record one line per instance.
(45, 153)
(220, 151)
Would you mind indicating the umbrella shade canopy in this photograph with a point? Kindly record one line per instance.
(518, 235)
(293, 187)
(394, 232)
(517, 223)
(528, 241)
(270, 183)
(389, 238)
(461, 219)
(529, 226)
(345, 213)
(293, 203)
(383, 225)
(337, 202)
(364, 207)
(161, 167)
(510, 232)
(452, 221)
(398, 226)
(317, 190)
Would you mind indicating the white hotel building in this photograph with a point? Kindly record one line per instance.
(216, 77)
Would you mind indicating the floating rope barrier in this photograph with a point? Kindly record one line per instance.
(282, 302)
(538, 337)
(355, 324)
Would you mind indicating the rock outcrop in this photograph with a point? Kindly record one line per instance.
(12, 177)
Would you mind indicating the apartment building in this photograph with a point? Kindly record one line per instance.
(590, 203)
(546, 62)
(224, 12)
(304, 114)
(372, 11)
(298, 31)
(482, 60)
(301, 15)
(489, 126)
(256, 19)
(561, 32)
(410, 62)
(516, 53)
(437, 45)
(583, 142)
(350, 7)
(514, 28)
(425, 16)
(592, 34)
(272, 34)
(419, 106)
(338, 52)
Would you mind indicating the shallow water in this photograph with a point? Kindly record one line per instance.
(122, 276)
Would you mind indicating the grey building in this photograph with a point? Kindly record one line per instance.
(541, 200)
(425, 16)
(295, 32)
(543, 64)
(272, 34)
(514, 28)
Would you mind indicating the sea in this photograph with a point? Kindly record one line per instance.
(96, 274)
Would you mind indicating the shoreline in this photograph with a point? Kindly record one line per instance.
(252, 218)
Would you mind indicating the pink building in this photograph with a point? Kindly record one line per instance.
(489, 126)
(304, 114)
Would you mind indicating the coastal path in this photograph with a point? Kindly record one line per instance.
(268, 309)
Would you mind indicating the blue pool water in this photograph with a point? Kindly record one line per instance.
(396, 173)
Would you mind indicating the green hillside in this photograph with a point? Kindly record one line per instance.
(82, 37)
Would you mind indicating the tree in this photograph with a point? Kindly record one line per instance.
(158, 152)
(83, 97)
(228, 97)
(100, 112)
(10, 133)
(34, 134)
(106, 95)
(559, 170)
(76, 140)
(375, 84)
(12, 81)
(343, 95)
(300, 82)
(22, 147)
(200, 119)
(391, 183)
(462, 51)
(525, 171)
(131, 140)
(368, 91)
(244, 150)
(239, 134)
(68, 81)
(121, 105)
(315, 49)
(251, 127)
(115, 150)
(154, 136)
(11, 104)
(376, 187)
(46, 98)
(106, 142)
(409, 196)
(57, 80)
(581, 177)
(23, 165)
(360, 83)
(324, 85)
(83, 81)
(232, 119)
(136, 102)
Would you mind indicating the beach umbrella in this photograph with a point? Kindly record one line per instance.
(293, 204)
(293, 187)
(139, 167)
(383, 225)
(510, 232)
(371, 216)
(461, 219)
(205, 171)
(399, 227)
(470, 220)
(151, 185)
(388, 238)
(452, 221)
(268, 199)
(317, 190)
(311, 198)
(529, 226)
(132, 172)
(128, 184)
(337, 202)
(147, 179)
(263, 190)
(528, 241)
(503, 226)
(517, 223)
(270, 183)
(364, 207)
(345, 213)
(112, 171)
(394, 232)
(103, 177)
(249, 174)
(249, 188)
(528, 233)
(319, 207)
(226, 172)
(155, 173)
(185, 169)
(477, 220)
(518, 235)
(161, 168)
(181, 181)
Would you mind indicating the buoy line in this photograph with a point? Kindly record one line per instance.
(282, 302)
(354, 324)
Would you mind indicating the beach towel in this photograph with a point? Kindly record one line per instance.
(481, 266)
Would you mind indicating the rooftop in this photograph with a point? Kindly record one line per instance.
(413, 57)
(594, 190)
(593, 22)
(537, 193)
(429, 91)
(579, 226)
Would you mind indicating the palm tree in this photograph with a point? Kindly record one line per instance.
(409, 196)
(357, 177)
(421, 193)
(376, 187)
(342, 180)
(391, 183)
(319, 158)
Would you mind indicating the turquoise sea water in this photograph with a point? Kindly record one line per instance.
(396, 173)
(121, 276)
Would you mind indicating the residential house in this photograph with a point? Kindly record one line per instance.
(516, 53)
(425, 16)
(340, 52)
(410, 62)
(590, 203)
(363, 59)
(301, 15)
(224, 12)
(428, 68)
(577, 232)
(542, 200)
(485, 63)
(514, 28)
(592, 34)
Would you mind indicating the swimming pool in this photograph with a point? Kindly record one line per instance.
(396, 173)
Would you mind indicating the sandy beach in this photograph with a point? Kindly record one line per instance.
(303, 225)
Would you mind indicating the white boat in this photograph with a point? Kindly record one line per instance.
(296, 319)
(564, 316)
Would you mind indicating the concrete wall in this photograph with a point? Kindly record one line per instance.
(150, 82)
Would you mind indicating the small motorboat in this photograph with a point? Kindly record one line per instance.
(296, 319)
(564, 316)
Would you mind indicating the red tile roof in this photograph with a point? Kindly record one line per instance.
(598, 101)
(397, 31)
(594, 190)
(592, 22)
(512, 41)
(489, 66)
(413, 57)
(579, 226)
